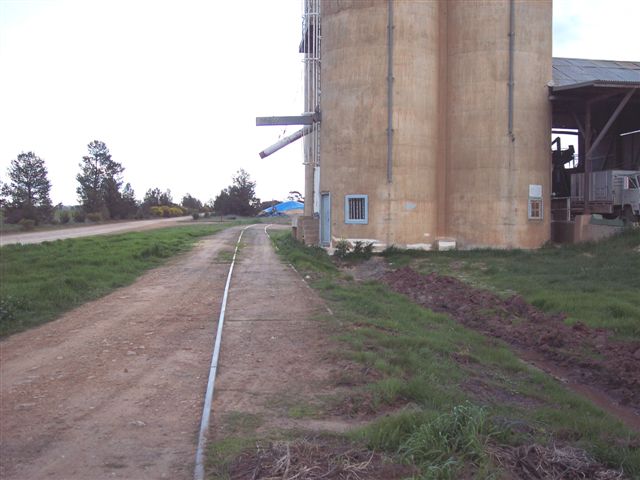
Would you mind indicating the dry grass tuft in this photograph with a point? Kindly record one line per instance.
(533, 462)
(314, 459)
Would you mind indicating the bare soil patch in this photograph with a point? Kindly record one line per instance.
(585, 356)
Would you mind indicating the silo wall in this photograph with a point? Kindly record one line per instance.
(403, 207)
(489, 171)
(413, 205)
(353, 102)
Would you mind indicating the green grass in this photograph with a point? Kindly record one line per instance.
(419, 355)
(240, 423)
(224, 256)
(41, 281)
(595, 283)
(220, 455)
(445, 444)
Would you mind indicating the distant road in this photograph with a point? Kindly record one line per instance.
(75, 232)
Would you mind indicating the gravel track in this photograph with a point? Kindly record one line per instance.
(114, 388)
(87, 231)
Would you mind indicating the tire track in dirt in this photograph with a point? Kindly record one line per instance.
(114, 388)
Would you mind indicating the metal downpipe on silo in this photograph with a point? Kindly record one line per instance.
(510, 212)
(512, 35)
(390, 93)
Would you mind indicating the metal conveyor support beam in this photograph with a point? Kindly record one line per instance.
(285, 141)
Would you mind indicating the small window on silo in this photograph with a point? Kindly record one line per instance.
(356, 209)
(535, 202)
(535, 209)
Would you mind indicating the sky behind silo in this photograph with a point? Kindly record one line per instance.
(173, 87)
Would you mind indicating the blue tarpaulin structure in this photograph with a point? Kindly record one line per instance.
(284, 208)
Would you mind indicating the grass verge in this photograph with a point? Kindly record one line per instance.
(596, 283)
(41, 281)
(442, 379)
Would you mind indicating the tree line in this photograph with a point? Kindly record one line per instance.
(103, 194)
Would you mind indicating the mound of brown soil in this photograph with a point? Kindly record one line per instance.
(588, 355)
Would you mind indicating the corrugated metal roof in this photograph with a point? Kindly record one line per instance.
(580, 71)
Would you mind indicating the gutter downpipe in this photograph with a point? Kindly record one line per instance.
(512, 35)
(510, 210)
(390, 28)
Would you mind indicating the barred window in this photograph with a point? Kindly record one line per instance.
(356, 209)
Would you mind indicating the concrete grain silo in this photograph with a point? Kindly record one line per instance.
(496, 150)
(435, 123)
(401, 194)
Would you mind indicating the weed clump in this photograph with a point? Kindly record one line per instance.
(359, 250)
(451, 441)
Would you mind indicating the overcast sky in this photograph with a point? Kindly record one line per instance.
(173, 87)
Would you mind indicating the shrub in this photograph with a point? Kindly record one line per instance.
(195, 215)
(64, 217)
(167, 211)
(362, 250)
(27, 224)
(10, 307)
(94, 217)
(156, 211)
(79, 216)
(391, 250)
(175, 211)
(342, 249)
(207, 214)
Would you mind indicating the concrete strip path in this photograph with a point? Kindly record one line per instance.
(277, 358)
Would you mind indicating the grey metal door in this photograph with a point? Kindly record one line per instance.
(325, 219)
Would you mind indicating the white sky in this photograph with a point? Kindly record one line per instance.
(173, 87)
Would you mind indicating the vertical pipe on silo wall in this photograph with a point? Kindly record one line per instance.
(488, 174)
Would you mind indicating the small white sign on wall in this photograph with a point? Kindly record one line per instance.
(535, 191)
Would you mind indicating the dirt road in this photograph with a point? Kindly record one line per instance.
(76, 232)
(114, 389)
